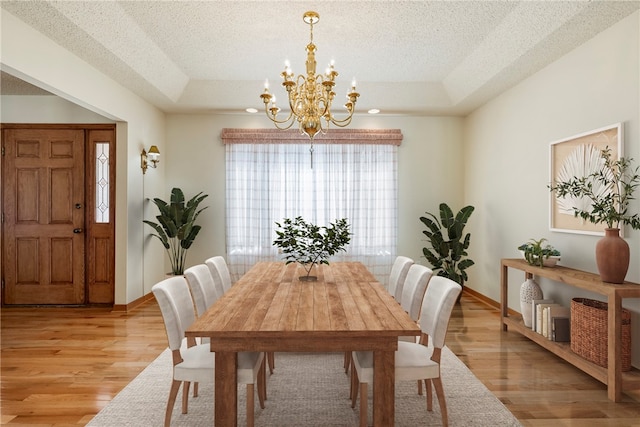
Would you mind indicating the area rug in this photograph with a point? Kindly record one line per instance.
(306, 389)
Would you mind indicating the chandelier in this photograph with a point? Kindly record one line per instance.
(310, 96)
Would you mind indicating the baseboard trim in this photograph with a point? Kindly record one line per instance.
(486, 300)
(134, 304)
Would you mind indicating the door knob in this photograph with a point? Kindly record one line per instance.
(77, 230)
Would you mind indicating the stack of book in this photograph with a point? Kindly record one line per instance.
(551, 320)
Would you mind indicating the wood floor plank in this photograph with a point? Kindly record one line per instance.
(539, 388)
(60, 366)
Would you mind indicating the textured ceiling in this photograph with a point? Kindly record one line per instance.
(10, 85)
(416, 57)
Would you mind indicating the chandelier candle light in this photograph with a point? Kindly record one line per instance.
(310, 97)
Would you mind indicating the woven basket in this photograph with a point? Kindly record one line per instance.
(589, 321)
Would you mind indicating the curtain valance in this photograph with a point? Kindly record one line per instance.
(293, 136)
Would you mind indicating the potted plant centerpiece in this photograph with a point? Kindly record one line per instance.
(310, 244)
(610, 188)
(536, 254)
(176, 227)
(448, 242)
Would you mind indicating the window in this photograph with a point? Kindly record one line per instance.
(102, 182)
(267, 182)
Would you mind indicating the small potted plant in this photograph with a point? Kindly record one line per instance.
(176, 227)
(310, 244)
(609, 188)
(535, 253)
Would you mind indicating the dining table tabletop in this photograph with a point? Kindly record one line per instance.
(270, 309)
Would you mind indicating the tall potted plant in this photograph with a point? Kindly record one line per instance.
(610, 188)
(176, 227)
(310, 244)
(448, 242)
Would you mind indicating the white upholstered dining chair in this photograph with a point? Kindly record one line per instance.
(398, 274)
(195, 362)
(413, 291)
(220, 272)
(415, 361)
(411, 279)
(414, 288)
(204, 293)
(203, 288)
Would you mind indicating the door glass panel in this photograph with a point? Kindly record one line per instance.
(102, 182)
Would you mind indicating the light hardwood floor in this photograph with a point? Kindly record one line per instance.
(59, 367)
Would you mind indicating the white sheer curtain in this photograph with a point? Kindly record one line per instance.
(269, 182)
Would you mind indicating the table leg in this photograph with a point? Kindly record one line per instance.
(614, 347)
(226, 389)
(384, 373)
(504, 297)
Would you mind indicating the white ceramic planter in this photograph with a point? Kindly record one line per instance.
(548, 262)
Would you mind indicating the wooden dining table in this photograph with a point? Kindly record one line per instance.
(271, 310)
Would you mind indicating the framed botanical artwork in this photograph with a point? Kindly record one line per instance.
(579, 156)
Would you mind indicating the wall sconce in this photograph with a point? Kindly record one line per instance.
(149, 159)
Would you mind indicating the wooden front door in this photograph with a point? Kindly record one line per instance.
(44, 216)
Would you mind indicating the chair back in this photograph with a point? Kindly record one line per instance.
(398, 274)
(220, 272)
(414, 288)
(176, 305)
(439, 299)
(203, 288)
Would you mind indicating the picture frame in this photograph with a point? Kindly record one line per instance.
(578, 156)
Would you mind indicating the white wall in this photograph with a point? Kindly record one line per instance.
(506, 148)
(430, 170)
(138, 123)
(45, 109)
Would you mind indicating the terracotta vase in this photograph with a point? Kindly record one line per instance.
(612, 256)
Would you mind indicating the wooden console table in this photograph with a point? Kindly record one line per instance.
(612, 376)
